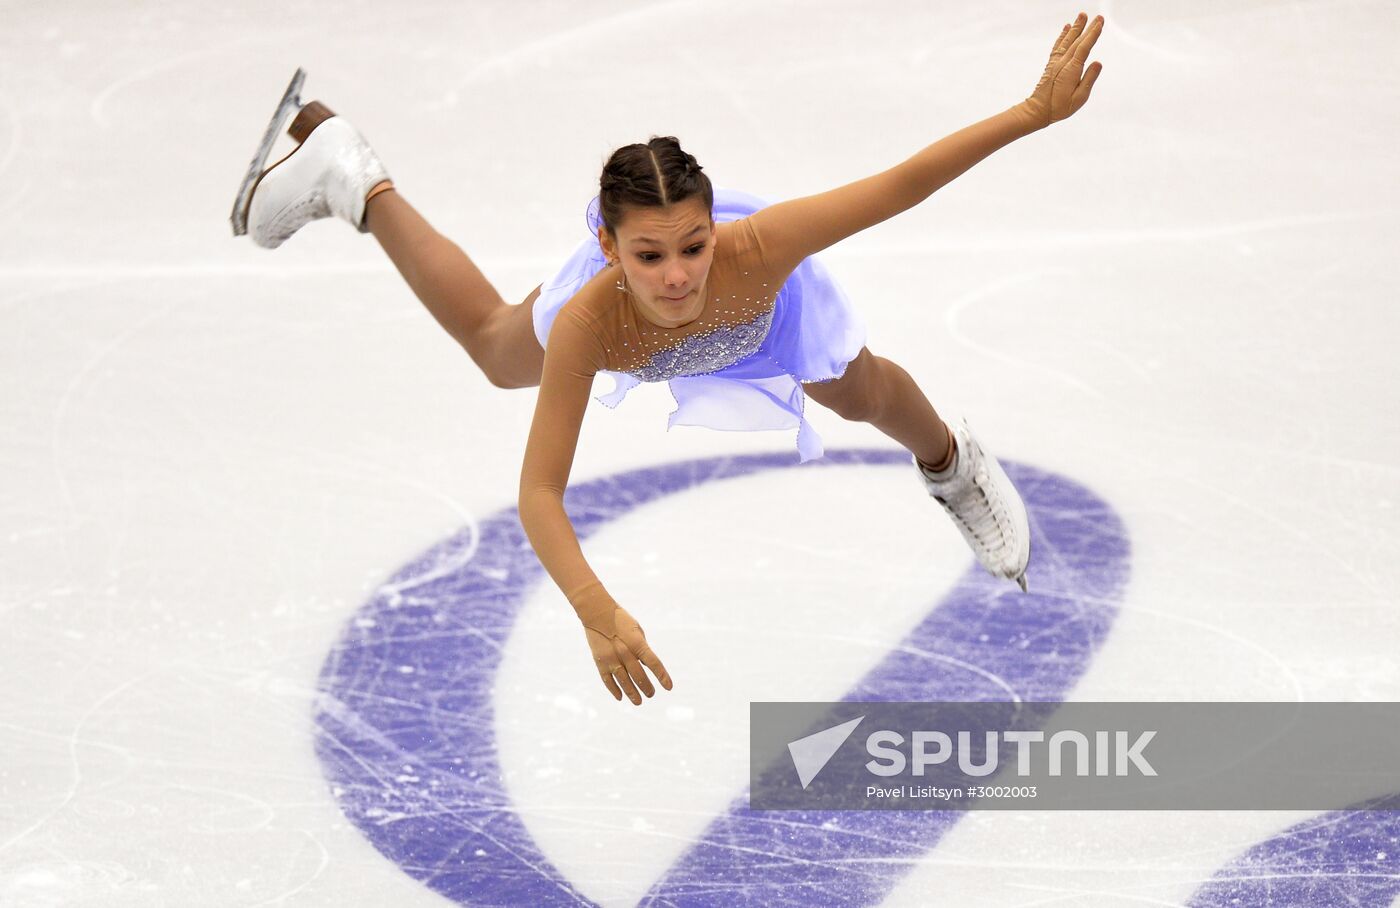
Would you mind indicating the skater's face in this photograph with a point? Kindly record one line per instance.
(666, 255)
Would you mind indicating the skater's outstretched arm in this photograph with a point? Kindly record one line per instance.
(795, 229)
(620, 649)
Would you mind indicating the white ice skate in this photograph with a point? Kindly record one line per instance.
(330, 172)
(986, 507)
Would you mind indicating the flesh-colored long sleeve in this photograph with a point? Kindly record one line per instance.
(797, 228)
(570, 362)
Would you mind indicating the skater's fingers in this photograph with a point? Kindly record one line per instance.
(651, 661)
(631, 646)
(621, 678)
(1086, 85)
(1076, 28)
(1087, 39)
(635, 672)
(610, 684)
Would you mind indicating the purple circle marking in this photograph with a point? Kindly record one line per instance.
(1346, 857)
(405, 723)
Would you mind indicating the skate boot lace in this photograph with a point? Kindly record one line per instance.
(981, 514)
(311, 206)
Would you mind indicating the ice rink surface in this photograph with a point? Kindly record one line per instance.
(270, 634)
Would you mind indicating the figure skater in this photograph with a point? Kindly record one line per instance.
(712, 291)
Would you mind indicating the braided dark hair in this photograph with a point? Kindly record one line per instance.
(651, 175)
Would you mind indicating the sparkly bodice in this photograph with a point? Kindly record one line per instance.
(708, 352)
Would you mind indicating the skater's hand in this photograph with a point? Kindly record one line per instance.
(1065, 85)
(620, 650)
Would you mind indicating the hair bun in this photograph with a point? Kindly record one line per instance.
(649, 175)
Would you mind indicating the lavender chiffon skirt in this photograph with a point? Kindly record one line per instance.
(815, 333)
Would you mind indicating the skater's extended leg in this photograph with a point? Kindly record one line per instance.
(876, 390)
(967, 481)
(334, 172)
(499, 337)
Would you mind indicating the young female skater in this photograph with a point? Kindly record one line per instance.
(713, 292)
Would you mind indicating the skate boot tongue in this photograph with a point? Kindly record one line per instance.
(985, 506)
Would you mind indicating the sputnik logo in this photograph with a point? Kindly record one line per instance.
(813, 752)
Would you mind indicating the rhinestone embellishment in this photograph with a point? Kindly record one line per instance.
(707, 352)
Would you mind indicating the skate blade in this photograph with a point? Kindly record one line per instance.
(291, 99)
